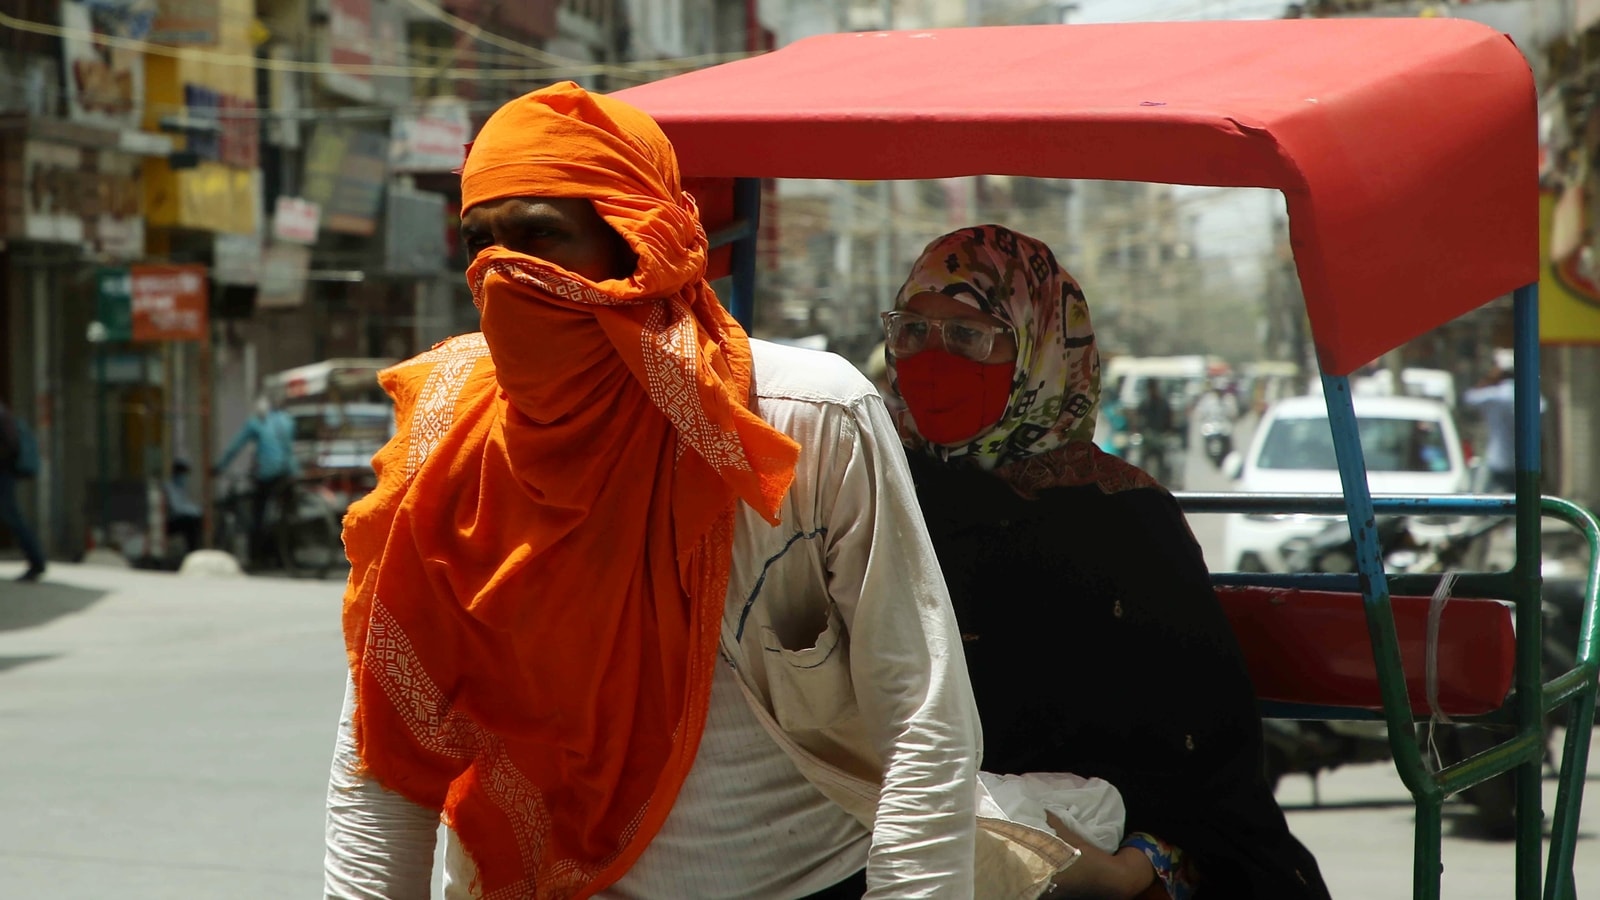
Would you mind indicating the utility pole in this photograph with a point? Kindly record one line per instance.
(969, 187)
(844, 213)
(884, 293)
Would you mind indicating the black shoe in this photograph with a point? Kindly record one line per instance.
(34, 573)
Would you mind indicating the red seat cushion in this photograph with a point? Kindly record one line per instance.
(1313, 647)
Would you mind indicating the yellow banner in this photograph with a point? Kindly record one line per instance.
(1569, 300)
(208, 197)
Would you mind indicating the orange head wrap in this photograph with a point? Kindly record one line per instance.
(538, 581)
(566, 142)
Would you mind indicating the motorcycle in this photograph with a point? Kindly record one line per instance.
(1216, 436)
(1160, 455)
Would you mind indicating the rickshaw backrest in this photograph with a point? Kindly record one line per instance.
(1311, 649)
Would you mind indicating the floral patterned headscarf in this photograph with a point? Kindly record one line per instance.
(1045, 437)
(1016, 279)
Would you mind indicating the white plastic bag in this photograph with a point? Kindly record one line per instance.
(1091, 807)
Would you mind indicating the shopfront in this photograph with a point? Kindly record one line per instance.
(71, 203)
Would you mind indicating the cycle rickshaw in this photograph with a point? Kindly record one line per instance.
(1407, 152)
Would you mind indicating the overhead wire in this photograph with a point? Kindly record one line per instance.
(574, 68)
(479, 33)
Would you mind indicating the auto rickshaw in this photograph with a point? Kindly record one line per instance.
(1407, 152)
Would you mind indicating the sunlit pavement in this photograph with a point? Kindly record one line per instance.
(164, 736)
(1361, 835)
(169, 737)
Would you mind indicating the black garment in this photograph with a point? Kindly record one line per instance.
(852, 888)
(11, 519)
(1097, 646)
(1155, 415)
(189, 528)
(279, 492)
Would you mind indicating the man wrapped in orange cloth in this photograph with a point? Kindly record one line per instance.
(640, 608)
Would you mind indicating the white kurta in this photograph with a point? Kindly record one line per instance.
(841, 626)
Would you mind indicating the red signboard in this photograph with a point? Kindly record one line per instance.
(170, 303)
(349, 44)
(350, 26)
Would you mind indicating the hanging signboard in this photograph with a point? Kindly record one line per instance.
(346, 169)
(283, 276)
(236, 259)
(413, 239)
(114, 302)
(58, 193)
(169, 303)
(431, 139)
(389, 48)
(1569, 290)
(296, 220)
(187, 22)
(105, 85)
(349, 43)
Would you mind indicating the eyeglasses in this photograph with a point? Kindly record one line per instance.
(908, 334)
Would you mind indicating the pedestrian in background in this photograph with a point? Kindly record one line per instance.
(1494, 399)
(184, 516)
(19, 460)
(271, 431)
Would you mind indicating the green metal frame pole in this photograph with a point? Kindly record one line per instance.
(1385, 644)
(1559, 879)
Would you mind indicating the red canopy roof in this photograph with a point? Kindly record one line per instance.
(1407, 148)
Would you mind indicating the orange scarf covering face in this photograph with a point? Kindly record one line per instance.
(538, 580)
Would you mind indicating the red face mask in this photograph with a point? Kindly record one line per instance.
(951, 398)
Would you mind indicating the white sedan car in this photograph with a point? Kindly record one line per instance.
(1411, 446)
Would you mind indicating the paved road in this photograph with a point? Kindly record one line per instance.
(1200, 475)
(164, 737)
(167, 737)
(1361, 836)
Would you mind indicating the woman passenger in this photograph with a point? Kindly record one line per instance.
(1094, 640)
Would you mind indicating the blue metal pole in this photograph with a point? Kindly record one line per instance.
(746, 209)
(1529, 577)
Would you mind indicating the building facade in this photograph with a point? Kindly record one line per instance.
(232, 188)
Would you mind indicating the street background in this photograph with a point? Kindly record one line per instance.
(272, 210)
(169, 736)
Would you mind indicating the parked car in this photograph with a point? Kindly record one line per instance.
(1411, 444)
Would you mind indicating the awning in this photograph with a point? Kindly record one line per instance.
(1407, 148)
